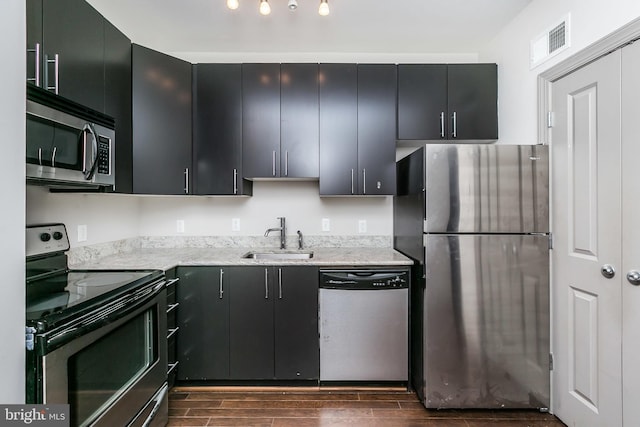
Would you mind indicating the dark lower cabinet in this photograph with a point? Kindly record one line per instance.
(203, 319)
(161, 87)
(248, 323)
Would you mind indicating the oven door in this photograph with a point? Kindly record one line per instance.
(110, 365)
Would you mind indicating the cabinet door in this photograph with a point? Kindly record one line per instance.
(161, 123)
(117, 81)
(74, 31)
(473, 99)
(297, 353)
(217, 127)
(203, 318)
(299, 128)
(422, 101)
(338, 90)
(261, 120)
(377, 92)
(34, 41)
(251, 294)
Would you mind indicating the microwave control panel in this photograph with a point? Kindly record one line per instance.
(104, 155)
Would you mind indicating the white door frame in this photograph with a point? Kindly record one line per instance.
(616, 40)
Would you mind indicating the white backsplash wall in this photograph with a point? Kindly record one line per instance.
(111, 217)
(107, 217)
(299, 202)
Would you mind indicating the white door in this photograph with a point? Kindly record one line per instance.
(586, 223)
(630, 234)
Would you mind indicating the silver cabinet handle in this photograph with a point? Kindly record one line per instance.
(273, 163)
(266, 284)
(235, 181)
(40, 156)
(454, 120)
(634, 277)
(56, 73)
(36, 78)
(221, 290)
(171, 367)
(286, 163)
(171, 282)
(279, 283)
(171, 332)
(53, 157)
(608, 271)
(172, 307)
(352, 186)
(186, 180)
(364, 181)
(442, 124)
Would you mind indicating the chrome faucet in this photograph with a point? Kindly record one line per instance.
(300, 242)
(283, 232)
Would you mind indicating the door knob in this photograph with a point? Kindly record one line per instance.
(634, 277)
(608, 271)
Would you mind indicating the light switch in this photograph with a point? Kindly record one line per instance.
(82, 233)
(180, 226)
(326, 224)
(235, 224)
(362, 226)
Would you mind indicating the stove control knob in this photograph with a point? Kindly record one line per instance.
(45, 237)
(57, 235)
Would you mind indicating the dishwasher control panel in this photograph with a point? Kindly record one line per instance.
(364, 279)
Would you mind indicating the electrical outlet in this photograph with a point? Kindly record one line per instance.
(326, 224)
(235, 224)
(362, 226)
(82, 233)
(180, 225)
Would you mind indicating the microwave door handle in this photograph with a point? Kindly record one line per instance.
(89, 167)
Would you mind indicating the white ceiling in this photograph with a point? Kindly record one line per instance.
(366, 26)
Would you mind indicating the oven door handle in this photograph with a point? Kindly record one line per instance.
(109, 314)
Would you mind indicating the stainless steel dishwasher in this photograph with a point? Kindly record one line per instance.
(364, 316)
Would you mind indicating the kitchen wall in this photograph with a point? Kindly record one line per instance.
(12, 188)
(517, 83)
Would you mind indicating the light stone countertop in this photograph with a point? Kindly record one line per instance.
(167, 258)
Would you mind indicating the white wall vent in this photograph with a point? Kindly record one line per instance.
(551, 42)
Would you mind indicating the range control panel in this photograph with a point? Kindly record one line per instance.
(364, 279)
(46, 238)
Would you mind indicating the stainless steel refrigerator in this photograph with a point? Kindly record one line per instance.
(475, 218)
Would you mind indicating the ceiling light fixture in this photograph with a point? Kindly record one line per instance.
(323, 10)
(265, 9)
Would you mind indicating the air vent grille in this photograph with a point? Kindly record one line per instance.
(557, 38)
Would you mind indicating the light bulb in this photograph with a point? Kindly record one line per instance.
(293, 4)
(233, 4)
(265, 9)
(323, 10)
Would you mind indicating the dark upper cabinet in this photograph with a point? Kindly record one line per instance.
(377, 92)
(117, 86)
(338, 91)
(217, 130)
(456, 101)
(357, 129)
(203, 319)
(161, 123)
(34, 42)
(261, 120)
(73, 32)
(473, 101)
(251, 346)
(422, 101)
(299, 124)
(280, 120)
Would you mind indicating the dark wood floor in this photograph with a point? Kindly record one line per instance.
(313, 407)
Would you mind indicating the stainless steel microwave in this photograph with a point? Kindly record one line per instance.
(68, 145)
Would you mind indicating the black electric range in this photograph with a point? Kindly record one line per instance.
(56, 294)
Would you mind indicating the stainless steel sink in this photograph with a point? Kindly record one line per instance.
(278, 255)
